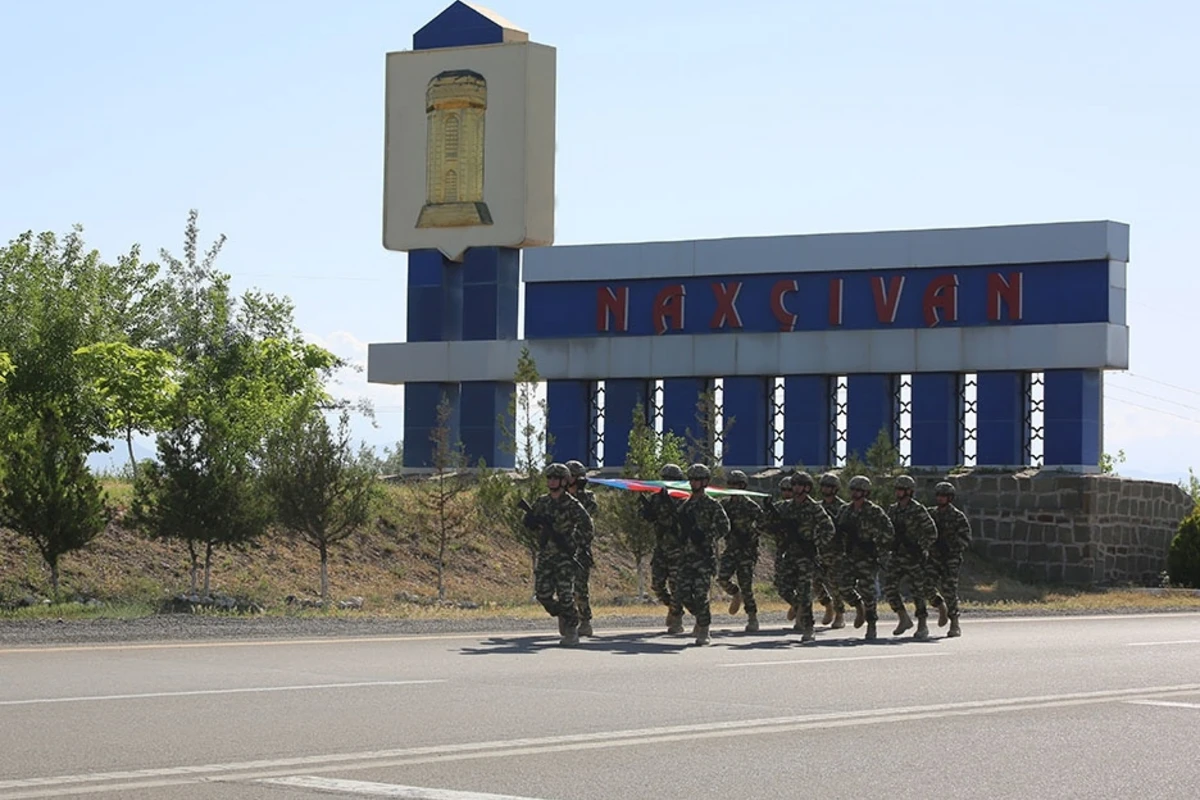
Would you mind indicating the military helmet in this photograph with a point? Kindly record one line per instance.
(944, 487)
(802, 479)
(785, 485)
(671, 472)
(861, 482)
(738, 477)
(557, 470)
(829, 479)
(905, 482)
(698, 472)
(576, 468)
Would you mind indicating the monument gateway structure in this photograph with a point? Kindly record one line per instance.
(979, 346)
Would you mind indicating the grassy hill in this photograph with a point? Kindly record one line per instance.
(393, 568)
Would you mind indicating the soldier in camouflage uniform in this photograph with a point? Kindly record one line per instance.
(741, 550)
(702, 523)
(833, 555)
(561, 523)
(954, 537)
(667, 557)
(867, 532)
(587, 498)
(807, 529)
(784, 583)
(915, 534)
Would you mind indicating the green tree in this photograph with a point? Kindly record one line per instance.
(203, 490)
(701, 446)
(647, 452)
(523, 434)
(1108, 463)
(135, 386)
(322, 490)
(49, 495)
(882, 465)
(445, 511)
(1183, 556)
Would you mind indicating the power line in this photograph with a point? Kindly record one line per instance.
(1161, 383)
(1157, 397)
(1157, 410)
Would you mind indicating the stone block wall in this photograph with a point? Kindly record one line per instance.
(1059, 527)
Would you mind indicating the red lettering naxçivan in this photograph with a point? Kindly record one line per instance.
(1004, 298)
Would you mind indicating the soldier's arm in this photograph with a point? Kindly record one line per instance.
(885, 531)
(927, 533)
(962, 530)
(720, 522)
(823, 529)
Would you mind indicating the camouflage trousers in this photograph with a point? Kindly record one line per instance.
(554, 584)
(583, 600)
(785, 580)
(739, 562)
(695, 581)
(827, 580)
(911, 567)
(799, 574)
(664, 578)
(942, 577)
(858, 582)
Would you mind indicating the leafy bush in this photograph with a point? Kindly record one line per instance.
(1183, 559)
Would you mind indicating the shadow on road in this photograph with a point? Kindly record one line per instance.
(630, 644)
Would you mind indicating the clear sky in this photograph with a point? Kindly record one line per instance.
(676, 120)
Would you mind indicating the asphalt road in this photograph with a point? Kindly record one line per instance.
(1040, 707)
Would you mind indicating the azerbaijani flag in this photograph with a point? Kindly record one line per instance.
(680, 489)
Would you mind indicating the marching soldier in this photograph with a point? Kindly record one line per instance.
(561, 523)
(587, 498)
(702, 521)
(833, 555)
(954, 537)
(868, 534)
(741, 550)
(784, 582)
(807, 529)
(660, 510)
(915, 534)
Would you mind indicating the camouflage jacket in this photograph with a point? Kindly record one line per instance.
(568, 521)
(867, 530)
(915, 531)
(587, 498)
(954, 530)
(702, 523)
(807, 527)
(834, 508)
(745, 516)
(660, 510)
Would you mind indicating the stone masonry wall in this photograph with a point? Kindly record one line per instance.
(1062, 527)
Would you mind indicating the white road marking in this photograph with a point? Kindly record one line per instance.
(195, 692)
(370, 789)
(548, 633)
(1156, 644)
(60, 785)
(829, 660)
(1163, 703)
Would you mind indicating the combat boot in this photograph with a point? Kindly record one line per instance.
(922, 630)
(860, 614)
(570, 638)
(792, 611)
(954, 629)
(807, 635)
(838, 620)
(674, 623)
(828, 618)
(752, 622)
(702, 634)
(870, 637)
(585, 627)
(735, 604)
(943, 613)
(905, 621)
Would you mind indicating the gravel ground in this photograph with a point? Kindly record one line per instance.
(188, 627)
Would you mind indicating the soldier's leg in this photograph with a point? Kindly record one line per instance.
(564, 580)
(892, 577)
(583, 601)
(849, 590)
(804, 597)
(832, 571)
(544, 587)
(870, 603)
(724, 573)
(745, 579)
(701, 608)
(950, 593)
(658, 577)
